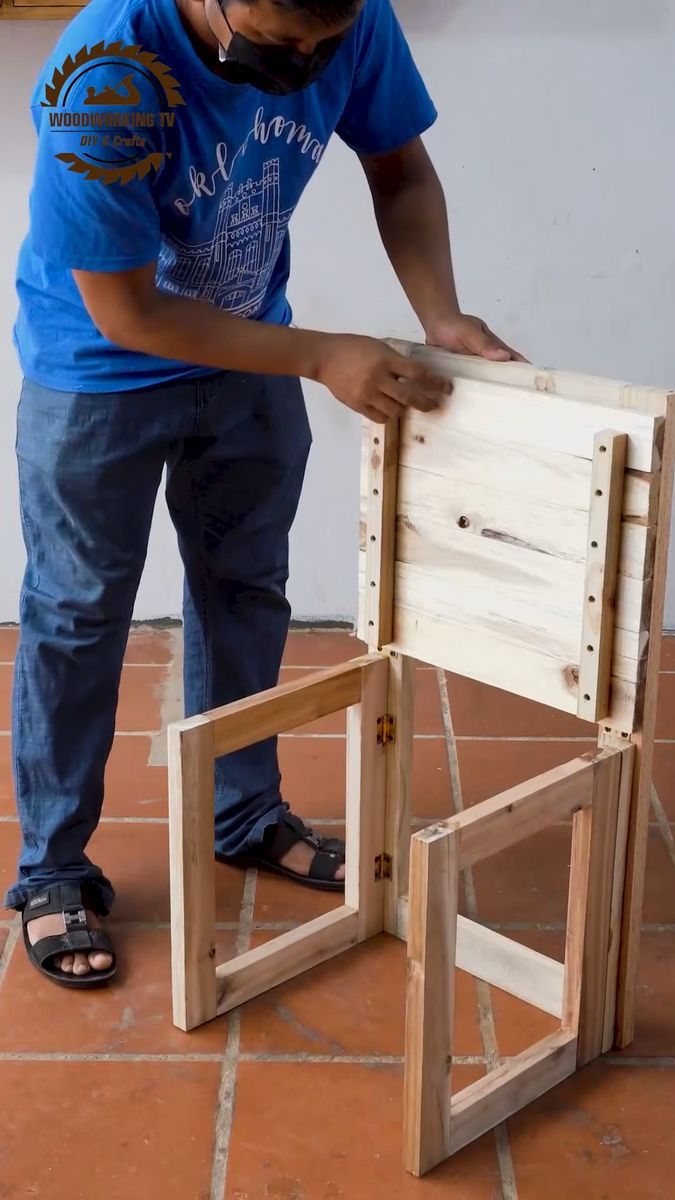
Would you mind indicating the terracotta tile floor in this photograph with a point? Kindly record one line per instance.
(298, 1096)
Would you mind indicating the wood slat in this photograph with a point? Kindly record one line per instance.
(601, 604)
(511, 417)
(584, 388)
(547, 678)
(366, 801)
(284, 707)
(379, 488)
(502, 821)
(503, 1092)
(401, 707)
(284, 957)
(547, 522)
(510, 966)
(192, 875)
(432, 931)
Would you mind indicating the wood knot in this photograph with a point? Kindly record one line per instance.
(571, 676)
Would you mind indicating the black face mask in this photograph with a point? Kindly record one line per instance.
(275, 69)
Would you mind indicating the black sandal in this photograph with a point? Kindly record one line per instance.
(68, 899)
(329, 854)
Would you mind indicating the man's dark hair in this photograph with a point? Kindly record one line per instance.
(328, 11)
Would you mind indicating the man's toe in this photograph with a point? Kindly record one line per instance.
(98, 961)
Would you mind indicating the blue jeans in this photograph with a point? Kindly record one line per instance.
(235, 448)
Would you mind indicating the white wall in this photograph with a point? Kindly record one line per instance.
(555, 149)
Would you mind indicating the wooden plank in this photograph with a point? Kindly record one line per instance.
(192, 875)
(366, 800)
(520, 812)
(510, 1087)
(281, 708)
(577, 907)
(510, 966)
(434, 885)
(491, 660)
(618, 883)
(604, 818)
(534, 421)
(584, 388)
(600, 586)
(284, 957)
(401, 706)
(644, 743)
(379, 487)
(539, 605)
(432, 505)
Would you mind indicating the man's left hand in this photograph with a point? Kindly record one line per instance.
(469, 335)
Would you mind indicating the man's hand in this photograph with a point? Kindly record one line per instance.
(374, 380)
(470, 335)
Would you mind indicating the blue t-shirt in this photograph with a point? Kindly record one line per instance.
(207, 183)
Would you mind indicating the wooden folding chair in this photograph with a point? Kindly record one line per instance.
(519, 538)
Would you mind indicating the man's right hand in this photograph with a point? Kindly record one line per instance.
(372, 379)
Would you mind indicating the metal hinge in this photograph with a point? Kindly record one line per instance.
(386, 729)
(382, 867)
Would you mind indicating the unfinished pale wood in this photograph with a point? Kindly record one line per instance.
(604, 817)
(577, 908)
(510, 966)
(366, 800)
(379, 485)
(504, 1091)
(284, 707)
(601, 580)
(434, 885)
(284, 957)
(644, 754)
(618, 884)
(584, 388)
(496, 489)
(401, 707)
(528, 420)
(192, 875)
(496, 824)
(492, 660)
(431, 503)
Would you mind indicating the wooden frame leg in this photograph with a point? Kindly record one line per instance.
(192, 874)
(401, 707)
(598, 955)
(366, 801)
(436, 1124)
(432, 937)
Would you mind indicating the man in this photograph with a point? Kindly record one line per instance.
(154, 331)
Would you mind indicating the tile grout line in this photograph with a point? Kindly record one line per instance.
(663, 824)
(224, 1116)
(485, 1011)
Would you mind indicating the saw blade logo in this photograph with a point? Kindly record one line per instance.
(118, 104)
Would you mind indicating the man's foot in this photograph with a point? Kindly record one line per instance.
(291, 849)
(299, 860)
(63, 936)
(71, 964)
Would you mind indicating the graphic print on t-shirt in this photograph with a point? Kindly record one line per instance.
(234, 267)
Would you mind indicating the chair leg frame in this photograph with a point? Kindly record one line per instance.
(593, 791)
(202, 989)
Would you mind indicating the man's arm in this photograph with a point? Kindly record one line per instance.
(412, 218)
(365, 374)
